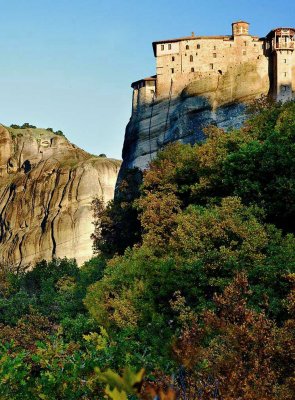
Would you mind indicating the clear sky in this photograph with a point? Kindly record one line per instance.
(68, 64)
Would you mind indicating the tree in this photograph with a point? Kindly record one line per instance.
(232, 352)
(117, 226)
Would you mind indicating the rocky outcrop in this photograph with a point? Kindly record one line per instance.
(46, 188)
(217, 99)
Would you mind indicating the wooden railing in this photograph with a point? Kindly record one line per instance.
(285, 45)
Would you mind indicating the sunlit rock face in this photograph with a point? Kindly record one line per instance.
(46, 188)
(211, 99)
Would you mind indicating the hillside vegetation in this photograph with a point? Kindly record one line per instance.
(192, 293)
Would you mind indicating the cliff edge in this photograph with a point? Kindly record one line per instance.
(46, 188)
(217, 99)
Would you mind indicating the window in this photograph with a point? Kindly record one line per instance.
(198, 46)
(214, 48)
(173, 58)
(162, 47)
(169, 46)
(172, 70)
(244, 53)
(254, 44)
(245, 43)
(211, 66)
(191, 58)
(214, 55)
(187, 47)
(285, 73)
(192, 69)
(285, 61)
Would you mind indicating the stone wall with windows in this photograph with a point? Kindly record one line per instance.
(284, 70)
(203, 57)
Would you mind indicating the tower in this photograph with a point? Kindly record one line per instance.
(240, 28)
(281, 48)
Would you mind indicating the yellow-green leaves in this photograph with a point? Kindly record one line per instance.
(99, 340)
(119, 387)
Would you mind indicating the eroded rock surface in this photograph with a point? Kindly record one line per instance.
(46, 188)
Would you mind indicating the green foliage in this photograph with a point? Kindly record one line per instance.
(55, 370)
(117, 226)
(59, 133)
(26, 125)
(255, 163)
(118, 388)
(263, 172)
(54, 289)
(194, 280)
(206, 249)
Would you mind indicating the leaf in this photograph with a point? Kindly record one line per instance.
(126, 383)
(115, 394)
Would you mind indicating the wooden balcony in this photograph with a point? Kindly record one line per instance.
(285, 45)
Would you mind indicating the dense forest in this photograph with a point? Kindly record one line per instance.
(191, 294)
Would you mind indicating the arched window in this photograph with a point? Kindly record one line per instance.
(192, 69)
(191, 58)
(187, 47)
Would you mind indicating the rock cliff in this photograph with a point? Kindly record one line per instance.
(217, 99)
(46, 188)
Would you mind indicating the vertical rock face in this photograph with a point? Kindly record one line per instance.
(211, 99)
(46, 188)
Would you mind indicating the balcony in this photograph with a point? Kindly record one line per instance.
(285, 45)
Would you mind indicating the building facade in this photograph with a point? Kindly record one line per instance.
(182, 61)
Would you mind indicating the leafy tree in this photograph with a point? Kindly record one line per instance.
(59, 133)
(232, 352)
(27, 125)
(117, 226)
(193, 279)
(262, 171)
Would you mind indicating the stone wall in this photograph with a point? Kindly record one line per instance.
(284, 70)
(203, 56)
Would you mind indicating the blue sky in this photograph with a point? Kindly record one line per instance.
(68, 64)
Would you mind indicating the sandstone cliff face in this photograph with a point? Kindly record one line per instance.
(46, 188)
(212, 99)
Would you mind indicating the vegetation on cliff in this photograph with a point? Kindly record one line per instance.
(194, 282)
(26, 125)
